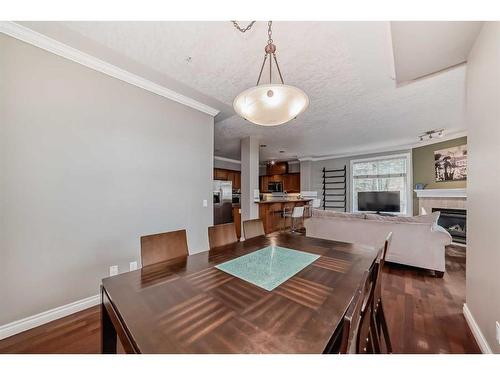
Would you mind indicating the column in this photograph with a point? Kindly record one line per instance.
(249, 178)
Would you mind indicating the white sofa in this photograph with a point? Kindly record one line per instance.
(416, 241)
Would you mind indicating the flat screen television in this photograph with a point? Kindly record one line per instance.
(379, 201)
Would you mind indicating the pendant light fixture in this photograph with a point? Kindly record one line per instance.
(270, 104)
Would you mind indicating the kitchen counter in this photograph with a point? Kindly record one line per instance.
(283, 201)
(270, 212)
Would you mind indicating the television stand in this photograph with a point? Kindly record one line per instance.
(385, 214)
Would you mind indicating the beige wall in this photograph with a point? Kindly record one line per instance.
(423, 167)
(483, 190)
(88, 164)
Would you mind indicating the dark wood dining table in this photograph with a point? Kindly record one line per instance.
(186, 305)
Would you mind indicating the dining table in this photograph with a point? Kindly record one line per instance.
(191, 305)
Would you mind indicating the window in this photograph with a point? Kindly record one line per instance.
(387, 173)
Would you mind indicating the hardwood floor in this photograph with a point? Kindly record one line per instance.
(424, 315)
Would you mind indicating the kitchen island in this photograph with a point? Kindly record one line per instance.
(270, 212)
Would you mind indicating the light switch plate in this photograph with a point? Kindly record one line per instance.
(133, 266)
(498, 332)
(113, 270)
(205, 203)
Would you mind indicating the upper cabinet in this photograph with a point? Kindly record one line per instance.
(228, 175)
(220, 174)
(290, 181)
(277, 168)
(237, 180)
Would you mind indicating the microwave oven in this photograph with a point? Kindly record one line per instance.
(275, 187)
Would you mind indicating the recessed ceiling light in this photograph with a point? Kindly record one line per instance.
(282, 152)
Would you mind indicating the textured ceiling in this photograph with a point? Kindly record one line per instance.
(422, 48)
(344, 67)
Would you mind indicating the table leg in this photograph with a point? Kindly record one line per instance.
(108, 331)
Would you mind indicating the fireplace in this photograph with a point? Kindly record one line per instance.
(455, 222)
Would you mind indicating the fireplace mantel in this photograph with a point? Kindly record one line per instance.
(441, 193)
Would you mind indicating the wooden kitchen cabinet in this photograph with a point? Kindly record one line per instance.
(237, 180)
(264, 180)
(220, 174)
(291, 183)
(228, 175)
(277, 168)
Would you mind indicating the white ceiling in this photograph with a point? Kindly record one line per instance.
(423, 48)
(346, 68)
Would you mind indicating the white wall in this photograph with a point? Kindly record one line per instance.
(88, 164)
(225, 164)
(483, 186)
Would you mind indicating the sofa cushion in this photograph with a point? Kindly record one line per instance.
(336, 214)
(430, 219)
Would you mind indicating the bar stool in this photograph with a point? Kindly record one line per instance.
(295, 214)
(315, 203)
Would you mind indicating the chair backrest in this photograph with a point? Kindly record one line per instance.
(298, 211)
(357, 335)
(387, 243)
(253, 228)
(366, 337)
(222, 234)
(163, 246)
(351, 319)
(380, 265)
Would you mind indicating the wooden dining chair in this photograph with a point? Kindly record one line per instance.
(378, 316)
(358, 331)
(350, 324)
(367, 340)
(161, 247)
(221, 235)
(253, 228)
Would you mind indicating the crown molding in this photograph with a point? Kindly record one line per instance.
(227, 159)
(51, 45)
(394, 147)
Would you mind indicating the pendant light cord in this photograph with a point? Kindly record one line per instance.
(270, 50)
(243, 29)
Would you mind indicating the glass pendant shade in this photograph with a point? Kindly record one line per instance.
(271, 104)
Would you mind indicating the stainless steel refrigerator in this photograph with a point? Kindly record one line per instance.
(223, 202)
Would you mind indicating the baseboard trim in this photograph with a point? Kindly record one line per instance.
(33, 321)
(476, 331)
